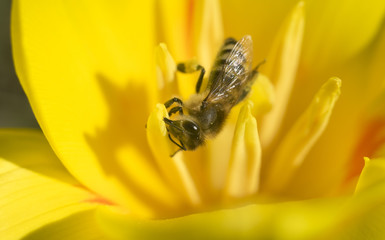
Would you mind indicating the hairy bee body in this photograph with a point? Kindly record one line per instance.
(210, 117)
(204, 114)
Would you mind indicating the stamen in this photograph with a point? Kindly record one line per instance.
(211, 32)
(173, 169)
(282, 68)
(302, 136)
(245, 160)
(262, 95)
(165, 69)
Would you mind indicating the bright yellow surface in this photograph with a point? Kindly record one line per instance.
(50, 194)
(174, 169)
(356, 217)
(344, 27)
(175, 27)
(262, 95)
(85, 66)
(191, 29)
(294, 147)
(260, 19)
(245, 159)
(88, 71)
(165, 72)
(337, 30)
(282, 68)
(35, 190)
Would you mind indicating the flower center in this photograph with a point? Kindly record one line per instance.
(227, 169)
(238, 165)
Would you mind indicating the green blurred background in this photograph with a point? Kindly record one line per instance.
(14, 107)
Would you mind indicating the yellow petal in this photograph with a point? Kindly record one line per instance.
(380, 151)
(36, 190)
(191, 29)
(81, 225)
(173, 168)
(357, 217)
(375, 85)
(260, 19)
(245, 159)
(88, 78)
(367, 219)
(304, 133)
(209, 30)
(295, 220)
(372, 174)
(282, 68)
(175, 27)
(370, 141)
(343, 27)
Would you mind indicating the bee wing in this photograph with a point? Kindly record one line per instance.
(229, 83)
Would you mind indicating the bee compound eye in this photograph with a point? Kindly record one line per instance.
(190, 127)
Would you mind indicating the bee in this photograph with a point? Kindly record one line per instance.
(204, 114)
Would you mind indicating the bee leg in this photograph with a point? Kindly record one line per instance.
(171, 123)
(186, 68)
(172, 140)
(173, 100)
(181, 146)
(176, 109)
(172, 155)
(200, 79)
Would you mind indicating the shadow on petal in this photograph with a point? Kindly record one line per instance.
(128, 114)
(121, 148)
(80, 225)
(36, 154)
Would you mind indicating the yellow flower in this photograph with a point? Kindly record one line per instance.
(94, 80)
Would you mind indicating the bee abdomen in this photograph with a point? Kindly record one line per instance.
(233, 63)
(230, 70)
(230, 41)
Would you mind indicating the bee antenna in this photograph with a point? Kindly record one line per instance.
(204, 103)
(259, 64)
(171, 123)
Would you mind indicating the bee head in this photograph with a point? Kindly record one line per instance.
(187, 132)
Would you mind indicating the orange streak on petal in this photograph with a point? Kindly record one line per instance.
(371, 140)
(99, 200)
(94, 198)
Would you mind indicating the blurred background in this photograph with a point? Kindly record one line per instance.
(14, 107)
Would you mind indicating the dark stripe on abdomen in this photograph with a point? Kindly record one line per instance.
(230, 41)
